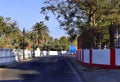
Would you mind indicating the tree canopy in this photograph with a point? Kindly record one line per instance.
(89, 17)
(41, 33)
(12, 37)
(9, 33)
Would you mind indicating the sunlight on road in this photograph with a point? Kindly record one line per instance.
(14, 74)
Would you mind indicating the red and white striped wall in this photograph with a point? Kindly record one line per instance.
(105, 58)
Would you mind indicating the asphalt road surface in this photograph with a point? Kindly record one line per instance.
(42, 69)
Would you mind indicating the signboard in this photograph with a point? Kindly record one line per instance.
(72, 49)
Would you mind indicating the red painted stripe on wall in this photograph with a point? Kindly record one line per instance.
(82, 55)
(112, 57)
(90, 56)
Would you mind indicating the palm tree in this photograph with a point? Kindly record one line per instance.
(41, 33)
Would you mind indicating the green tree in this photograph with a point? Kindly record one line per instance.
(57, 44)
(85, 17)
(41, 33)
(65, 42)
(9, 33)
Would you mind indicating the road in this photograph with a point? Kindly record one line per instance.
(42, 69)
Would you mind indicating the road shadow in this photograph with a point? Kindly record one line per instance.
(39, 69)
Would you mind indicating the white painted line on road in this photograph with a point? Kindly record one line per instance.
(74, 71)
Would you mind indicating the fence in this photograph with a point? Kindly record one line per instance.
(105, 58)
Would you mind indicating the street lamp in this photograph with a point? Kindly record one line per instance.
(23, 43)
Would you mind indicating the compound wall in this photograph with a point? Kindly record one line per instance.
(105, 58)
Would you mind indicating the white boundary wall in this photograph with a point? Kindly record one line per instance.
(117, 57)
(79, 55)
(19, 54)
(9, 56)
(6, 57)
(101, 56)
(49, 53)
(87, 56)
(106, 58)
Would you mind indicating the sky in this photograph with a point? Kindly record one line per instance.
(27, 14)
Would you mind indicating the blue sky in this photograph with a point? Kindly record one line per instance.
(27, 13)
